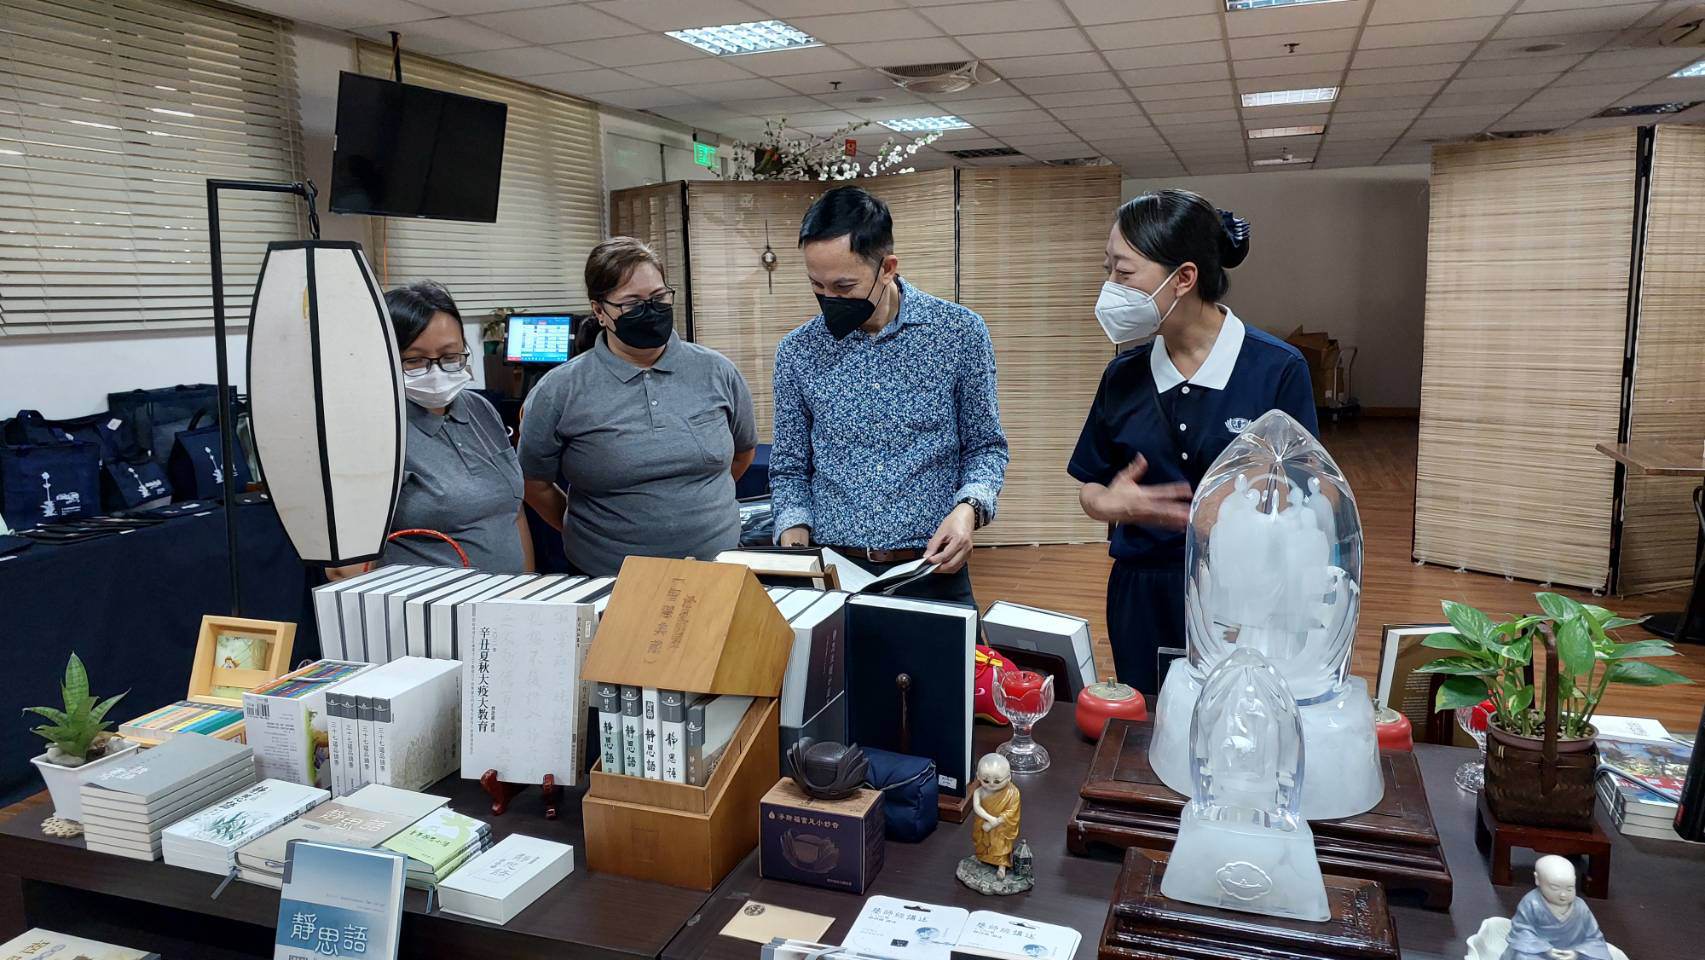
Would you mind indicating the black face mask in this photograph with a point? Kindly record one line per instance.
(646, 326)
(843, 315)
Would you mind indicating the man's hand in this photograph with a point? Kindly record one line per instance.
(951, 545)
(1127, 500)
(795, 537)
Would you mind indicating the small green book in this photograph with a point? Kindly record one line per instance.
(437, 839)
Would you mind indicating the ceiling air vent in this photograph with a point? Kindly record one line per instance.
(1649, 109)
(1081, 162)
(949, 77)
(984, 153)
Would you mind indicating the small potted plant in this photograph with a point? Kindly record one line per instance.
(1541, 755)
(78, 745)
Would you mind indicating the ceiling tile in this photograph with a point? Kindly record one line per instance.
(1423, 71)
(1188, 73)
(1599, 17)
(892, 53)
(809, 60)
(1082, 98)
(1097, 80)
(959, 19)
(894, 96)
(1367, 90)
(1047, 66)
(683, 72)
(1061, 151)
(1579, 99)
(1477, 98)
(995, 87)
(1174, 91)
(1149, 33)
(1289, 81)
(1026, 140)
(1542, 48)
(1040, 126)
(629, 51)
(674, 15)
(1288, 114)
(788, 107)
(1348, 130)
(1514, 66)
(1025, 43)
(1319, 41)
(1097, 110)
(788, 9)
(1275, 66)
(1185, 117)
(1270, 21)
(1377, 105)
(1409, 56)
(647, 99)
(1487, 113)
(1409, 11)
(1114, 11)
(749, 89)
(521, 62)
(1167, 55)
(1660, 57)
(996, 105)
(342, 15)
(1686, 89)
(1467, 30)
(561, 24)
(990, 120)
(867, 26)
(1516, 83)
(849, 80)
(455, 8)
(589, 82)
(444, 36)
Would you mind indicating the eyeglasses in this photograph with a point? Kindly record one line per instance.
(417, 366)
(624, 307)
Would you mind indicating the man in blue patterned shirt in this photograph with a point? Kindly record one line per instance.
(888, 443)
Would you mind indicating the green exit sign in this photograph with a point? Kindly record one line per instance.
(704, 154)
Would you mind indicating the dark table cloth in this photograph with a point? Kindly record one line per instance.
(131, 605)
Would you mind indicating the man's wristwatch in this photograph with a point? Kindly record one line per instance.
(977, 511)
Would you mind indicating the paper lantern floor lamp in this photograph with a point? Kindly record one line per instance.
(326, 397)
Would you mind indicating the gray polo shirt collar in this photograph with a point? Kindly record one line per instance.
(430, 423)
(625, 371)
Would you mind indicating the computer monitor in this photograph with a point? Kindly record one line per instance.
(539, 338)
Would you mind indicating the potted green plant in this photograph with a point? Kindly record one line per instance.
(1540, 752)
(78, 744)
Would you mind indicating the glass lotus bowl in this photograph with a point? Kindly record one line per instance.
(1471, 775)
(1023, 697)
(1274, 557)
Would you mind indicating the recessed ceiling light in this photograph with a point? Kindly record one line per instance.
(869, 98)
(733, 39)
(1696, 69)
(1258, 4)
(1310, 130)
(1273, 98)
(926, 124)
(1281, 161)
(1635, 110)
(1542, 47)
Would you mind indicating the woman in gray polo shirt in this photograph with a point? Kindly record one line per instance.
(649, 431)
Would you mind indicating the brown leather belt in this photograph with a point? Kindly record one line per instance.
(880, 556)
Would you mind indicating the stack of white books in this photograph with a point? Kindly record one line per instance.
(39, 944)
(439, 843)
(126, 808)
(404, 729)
(263, 860)
(208, 841)
(503, 881)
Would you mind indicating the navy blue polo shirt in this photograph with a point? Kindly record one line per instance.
(1144, 405)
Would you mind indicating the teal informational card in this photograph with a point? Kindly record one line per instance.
(339, 901)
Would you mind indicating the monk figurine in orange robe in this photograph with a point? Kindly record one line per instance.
(996, 804)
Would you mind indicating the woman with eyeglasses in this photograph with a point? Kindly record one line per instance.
(460, 475)
(648, 430)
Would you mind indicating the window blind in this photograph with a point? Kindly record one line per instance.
(550, 207)
(113, 114)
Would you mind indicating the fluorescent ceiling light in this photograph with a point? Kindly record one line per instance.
(1259, 4)
(1281, 161)
(926, 124)
(1311, 130)
(171, 113)
(1273, 98)
(733, 39)
(1695, 69)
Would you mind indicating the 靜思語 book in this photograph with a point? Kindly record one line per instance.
(339, 902)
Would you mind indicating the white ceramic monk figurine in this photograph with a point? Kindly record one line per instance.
(995, 802)
(1552, 923)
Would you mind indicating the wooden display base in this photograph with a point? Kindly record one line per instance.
(1143, 924)
(1124, 804)
(1497, 838)
(953, 809)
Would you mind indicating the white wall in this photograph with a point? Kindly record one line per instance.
(1343, 251)
(640, 149)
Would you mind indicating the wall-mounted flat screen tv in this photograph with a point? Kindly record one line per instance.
(409, 151)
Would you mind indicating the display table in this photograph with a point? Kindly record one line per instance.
(131, 605)
(1654, 459)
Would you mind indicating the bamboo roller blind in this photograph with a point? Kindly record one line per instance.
(1668, 401)
(1526, 315)
(1030, 253)
(654, 214)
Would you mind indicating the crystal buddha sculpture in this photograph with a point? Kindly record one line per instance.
(1274, 559)
(1242, 842)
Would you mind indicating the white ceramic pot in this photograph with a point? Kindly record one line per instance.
(65, 784)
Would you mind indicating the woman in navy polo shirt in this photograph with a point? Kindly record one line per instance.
(1167, 408)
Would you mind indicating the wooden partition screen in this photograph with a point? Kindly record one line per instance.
(656, 215)
(1031, 242)
(1528, 253)
(1668, 399)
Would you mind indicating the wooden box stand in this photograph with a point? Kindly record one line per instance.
(1123, 803)
(1496, 838)
(1142, 924)
(701, 628)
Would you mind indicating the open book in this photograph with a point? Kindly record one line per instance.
(827, 569)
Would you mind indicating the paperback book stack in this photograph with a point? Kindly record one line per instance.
(208, 841)
(398, 725)
(1640, 784)
(501, 882)
(438, 843)
(126, 808)
(263, 860)
(39, 944)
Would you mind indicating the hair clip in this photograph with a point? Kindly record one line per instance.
(1235, 227)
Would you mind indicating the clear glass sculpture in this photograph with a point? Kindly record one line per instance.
(1023, 697)
(1242, 841)
(1274, 558)
(1471, 775)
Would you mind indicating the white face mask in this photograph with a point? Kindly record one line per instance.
(435, 388)
(1128, 314)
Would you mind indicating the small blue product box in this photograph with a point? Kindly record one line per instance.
(836, 844)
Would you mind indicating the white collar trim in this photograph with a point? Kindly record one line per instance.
(1215, 371)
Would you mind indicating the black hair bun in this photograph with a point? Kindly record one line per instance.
(1234, 239)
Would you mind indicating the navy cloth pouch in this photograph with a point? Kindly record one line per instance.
(909, 793)
(50, 481)
(194, 469)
